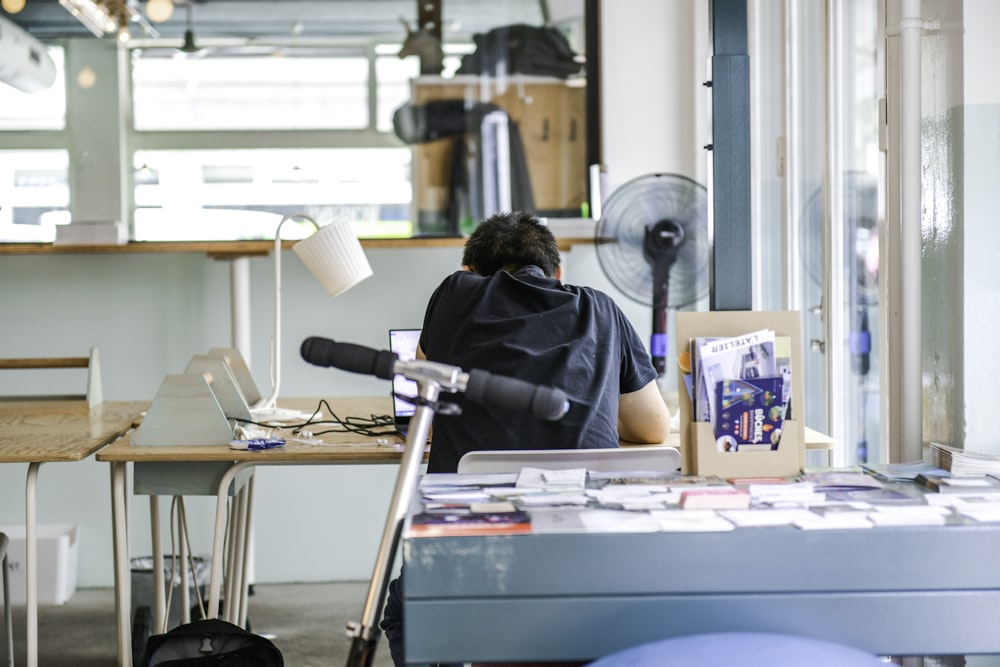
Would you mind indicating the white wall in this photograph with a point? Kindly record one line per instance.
(980, 201)
(654, 59)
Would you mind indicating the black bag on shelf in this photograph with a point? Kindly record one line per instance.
(211, 642)
(523, 49)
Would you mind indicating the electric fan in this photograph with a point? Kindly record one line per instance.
(653, 244)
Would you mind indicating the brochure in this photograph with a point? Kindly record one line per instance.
(749, 414)
(743, 357)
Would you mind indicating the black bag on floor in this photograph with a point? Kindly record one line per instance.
(211, 642)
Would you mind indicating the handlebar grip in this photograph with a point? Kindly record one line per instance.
(544, 402)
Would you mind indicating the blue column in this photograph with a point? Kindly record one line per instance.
(731, 285)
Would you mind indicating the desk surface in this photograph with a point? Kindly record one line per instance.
(51, 431)
(348, 448)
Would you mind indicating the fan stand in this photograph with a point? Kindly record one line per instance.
(660, 245)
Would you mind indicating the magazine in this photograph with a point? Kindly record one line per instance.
(741, 357)
(749, 414)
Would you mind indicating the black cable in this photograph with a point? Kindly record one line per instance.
(366, 426)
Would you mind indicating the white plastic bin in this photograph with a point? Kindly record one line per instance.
(58, 545)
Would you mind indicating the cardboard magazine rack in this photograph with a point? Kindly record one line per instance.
(701, 453)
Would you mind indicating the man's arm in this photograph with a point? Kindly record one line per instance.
(643, 417)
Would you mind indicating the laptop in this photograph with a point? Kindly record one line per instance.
(404, 343)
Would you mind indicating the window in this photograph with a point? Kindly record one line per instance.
(241, 194)
(238, 132)
(36, 111)
(34, 194)
(250, 88)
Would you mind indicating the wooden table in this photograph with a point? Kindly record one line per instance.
(54, 431)
(221, 471)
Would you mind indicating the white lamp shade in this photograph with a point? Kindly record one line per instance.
(335, 257)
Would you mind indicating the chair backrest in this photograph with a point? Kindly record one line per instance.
(746, 649)
(651, 458)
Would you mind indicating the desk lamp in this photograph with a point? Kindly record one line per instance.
(334, 256)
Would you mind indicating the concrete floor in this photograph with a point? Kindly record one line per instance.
(305, 621)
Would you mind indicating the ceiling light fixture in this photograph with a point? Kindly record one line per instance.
(12, 6)
(107, 16)
(91, 14)
(159, 11)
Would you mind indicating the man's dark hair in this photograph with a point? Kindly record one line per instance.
(507, 241)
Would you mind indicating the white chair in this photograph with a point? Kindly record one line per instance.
(649, 458)
(7, 615)
(745, 649)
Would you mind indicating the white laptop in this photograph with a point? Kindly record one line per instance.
(404, 343)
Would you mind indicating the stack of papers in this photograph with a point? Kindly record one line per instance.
(963, 462)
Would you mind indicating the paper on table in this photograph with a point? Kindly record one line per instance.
(694, 521)
(552, 499)
(655, 501)
(834, 520)
(979, 509)
(624, 494)
(555, 520)
(575, 478)
(467, 479)
(909, 515)
(457, 495)
(787, 489)
(769, 517)
(615, 521)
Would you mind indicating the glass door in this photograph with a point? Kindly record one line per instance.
(817, 210)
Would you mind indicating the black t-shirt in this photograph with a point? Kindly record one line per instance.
(527, 326)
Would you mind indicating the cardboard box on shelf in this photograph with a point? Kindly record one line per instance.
(551, 117)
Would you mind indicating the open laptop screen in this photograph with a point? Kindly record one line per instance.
(403, 342)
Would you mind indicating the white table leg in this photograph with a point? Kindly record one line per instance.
(159, 596)
(183, 557)
(31, 562)
(8, 615)
(247, 544)
(237, 562)
(123, 582)
(215, 585)
(232, 552)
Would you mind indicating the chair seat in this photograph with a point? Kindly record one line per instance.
(740, 649)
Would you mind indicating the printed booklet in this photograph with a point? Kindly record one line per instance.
(749, 414)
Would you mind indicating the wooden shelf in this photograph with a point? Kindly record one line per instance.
(233, 249)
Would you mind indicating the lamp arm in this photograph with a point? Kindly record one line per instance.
(272, 400)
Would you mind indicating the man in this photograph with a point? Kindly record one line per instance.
(509, 313)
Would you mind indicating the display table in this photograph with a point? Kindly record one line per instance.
(575, 595)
